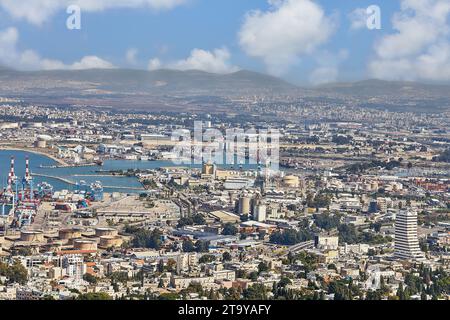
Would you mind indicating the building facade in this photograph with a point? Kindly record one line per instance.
(406, 240)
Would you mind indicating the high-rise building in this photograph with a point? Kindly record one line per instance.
(406, 241)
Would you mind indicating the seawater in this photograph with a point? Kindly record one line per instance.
(75, 174)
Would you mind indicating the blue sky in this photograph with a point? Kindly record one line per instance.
(168, 35)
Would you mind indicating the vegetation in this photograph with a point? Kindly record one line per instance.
(326, 221)
(199, 246)
(321, 200)
(349, 234)
(145, 238)
(90, 278)
(342, 140)
(229, 230)
(196, 219)
(94, 296)
(361, 167)
(290, 237)
(15, 273)
(207, 258)
(443, 157)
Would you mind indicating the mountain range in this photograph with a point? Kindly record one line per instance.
(92, 86)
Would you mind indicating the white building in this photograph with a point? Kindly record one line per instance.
(74, 266)
(260, 213)
(406, 241)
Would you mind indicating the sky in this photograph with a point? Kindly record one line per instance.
(302, 41)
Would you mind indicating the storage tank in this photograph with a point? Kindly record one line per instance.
(67, 234)
(42, 144)
(102, 232)
(111, 241)
(81, 244)
(244, 205)
(32, 236)
(260, 213)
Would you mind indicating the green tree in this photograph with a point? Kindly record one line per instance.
(90, 278)
(229, 230)
(188, 246)
(94, 296)
(226, 256)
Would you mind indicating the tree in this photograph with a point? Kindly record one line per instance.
(253, 275)
(341, 290)
(94, 296)
(290, 237)
(263, 267)
(145, 238)
(185, 221)
(326, 221)
(202, 246)
(400, 292)
(188, 246)
(119, 276)
(256, 292)
(169, 296)
(226, 256)
(171, 265)
(341, 140)
(229, 230)
(207, 258)
(198, 219)
(376, 226)
(16, 273)
(90, 278)
(284, 282)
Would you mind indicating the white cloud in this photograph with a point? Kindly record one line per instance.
(154, 64)
(38, 11)
(288, 30)
(328, 67)
(216, 61)
(323, 75)
(91, 62)
(131, 55)
(30, 60)
(420, 48)
(358, 18)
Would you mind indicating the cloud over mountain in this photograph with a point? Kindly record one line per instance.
(288, 30)
(28, 59)
(420, 48)
(216, 61)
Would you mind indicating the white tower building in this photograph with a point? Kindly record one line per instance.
(406, 241)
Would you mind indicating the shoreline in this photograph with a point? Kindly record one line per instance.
(52, 157)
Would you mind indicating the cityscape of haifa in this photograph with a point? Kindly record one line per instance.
(200, 151)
